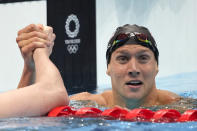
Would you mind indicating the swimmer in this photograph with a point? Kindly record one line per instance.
(132, 64)
(47, 91)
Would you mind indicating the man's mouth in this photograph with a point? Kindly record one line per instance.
(134, 83)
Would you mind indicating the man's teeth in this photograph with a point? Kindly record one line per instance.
(134, 83)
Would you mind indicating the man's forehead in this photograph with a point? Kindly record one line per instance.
(135, 49)
(132, 47)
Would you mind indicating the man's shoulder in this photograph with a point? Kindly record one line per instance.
(98, 98)
(168, 96)
(80, 96)
(107, 93)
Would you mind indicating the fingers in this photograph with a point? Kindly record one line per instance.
(30, 28)
(35, 33)
(40, 26)
(51, 36)
(33, 40)
(48, 30)
(25, 36)
(35, 36)
(52, 39)
(29, 48)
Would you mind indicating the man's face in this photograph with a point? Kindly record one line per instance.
(132, 70)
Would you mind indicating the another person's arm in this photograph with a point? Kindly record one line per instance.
(28, 40)
(47, 93)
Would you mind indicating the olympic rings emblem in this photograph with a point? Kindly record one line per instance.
(73, 48)
(70, 33)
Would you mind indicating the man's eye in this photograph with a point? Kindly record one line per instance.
(122, 59)
(144, 58)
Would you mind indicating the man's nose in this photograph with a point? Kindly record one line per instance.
(133, 69)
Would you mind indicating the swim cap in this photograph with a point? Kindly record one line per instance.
(131, 34)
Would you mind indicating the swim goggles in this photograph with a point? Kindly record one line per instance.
(138, 37)
(131, 38)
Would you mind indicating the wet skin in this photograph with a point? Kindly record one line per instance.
(132, 69)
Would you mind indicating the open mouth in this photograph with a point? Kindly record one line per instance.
(134, 83)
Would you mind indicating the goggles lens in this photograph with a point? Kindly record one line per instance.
(137, 36)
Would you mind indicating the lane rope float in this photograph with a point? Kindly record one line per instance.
(139, 114)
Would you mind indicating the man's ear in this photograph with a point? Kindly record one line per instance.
(108, 70)
(157, 70)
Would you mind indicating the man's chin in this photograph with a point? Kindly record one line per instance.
(133, 96)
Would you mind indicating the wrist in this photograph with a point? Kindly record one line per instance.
(30, 67)
(39, 53)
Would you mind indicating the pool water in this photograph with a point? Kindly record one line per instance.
(184, 84)
(89, 124)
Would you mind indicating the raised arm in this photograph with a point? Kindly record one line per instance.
(30, 38)
(37, 99)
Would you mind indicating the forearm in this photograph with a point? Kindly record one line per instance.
(27, 78)
(47, 73)
(45, 69)
(34, 100)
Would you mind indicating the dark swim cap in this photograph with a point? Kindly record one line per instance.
(131, 34)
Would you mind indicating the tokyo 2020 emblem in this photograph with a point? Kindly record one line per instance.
(72, 43)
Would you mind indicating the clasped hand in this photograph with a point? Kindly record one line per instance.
(32, 37)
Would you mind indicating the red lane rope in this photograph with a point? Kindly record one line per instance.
(114, 113)
(139, 115)
(163, 115)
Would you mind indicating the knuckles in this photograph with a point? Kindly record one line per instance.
(35, 39)
(32, 27)
(48, 29)
(32, 37)
(35, 34)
